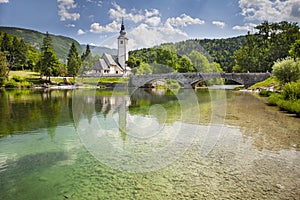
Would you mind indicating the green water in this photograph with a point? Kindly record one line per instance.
(100, 144)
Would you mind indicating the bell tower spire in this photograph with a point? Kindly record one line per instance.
(122, 47)
(122, 31)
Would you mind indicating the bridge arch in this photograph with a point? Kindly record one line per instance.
(149, 81)
(189, 79)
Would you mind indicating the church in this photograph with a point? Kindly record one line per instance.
(106, 65)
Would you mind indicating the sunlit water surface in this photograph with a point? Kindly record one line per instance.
(45, 152)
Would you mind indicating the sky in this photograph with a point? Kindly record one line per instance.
(147, 22)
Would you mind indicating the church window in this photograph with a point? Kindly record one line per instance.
(121, 42)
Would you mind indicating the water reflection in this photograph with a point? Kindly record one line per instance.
(27, 110)
(256, 157)
(134, 113)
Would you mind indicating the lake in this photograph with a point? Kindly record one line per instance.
(146, 144)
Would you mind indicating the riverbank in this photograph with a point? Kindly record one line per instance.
(286, 97)
(29, 79)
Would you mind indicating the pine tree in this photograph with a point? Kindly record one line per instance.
(47, 42)
(48, 62)
(74, 61)
(87, 53)
(87, 61)
(19, 52)
(4, 68)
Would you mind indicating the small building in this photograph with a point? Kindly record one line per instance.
(106, 65)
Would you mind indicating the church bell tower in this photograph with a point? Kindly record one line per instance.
(122, 47)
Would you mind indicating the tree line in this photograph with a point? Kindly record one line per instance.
(255, 52)
(15, 54)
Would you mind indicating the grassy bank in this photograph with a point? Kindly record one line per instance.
(28, 79)
(288, 99)
(271, 82)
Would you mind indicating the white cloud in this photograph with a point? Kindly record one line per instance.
(184, 20)
(64, 6)
(271, 10)
(150, 13)
(246, 27)
(81, 32)
(153, 21)
(144, 36)
(219, 24)
(112, 27)
(4, 1)
(117, 13)
(70, 25)
(150, 30)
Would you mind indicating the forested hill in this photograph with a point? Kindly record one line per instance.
(61, 44)
(217, 50)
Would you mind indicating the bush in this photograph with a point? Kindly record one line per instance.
(289, 99)
(17, 78)
(291, 91)
(17, 82)
(287, 70)
(274, 99)
(265, 93)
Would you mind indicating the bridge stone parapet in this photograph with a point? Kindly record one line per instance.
(188, 80)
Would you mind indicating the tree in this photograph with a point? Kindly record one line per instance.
(166, 57)
(133, 62)
(185, 65)
(87, 61)
(4, 68)
(262, 49)
(19, 53)
(6, 47)
(48, 63)
(87, 53)
(32, 57)
(47, 42)
(200, 62)
(144, 68)
(295, 50)
(74, 61)
(287, 70)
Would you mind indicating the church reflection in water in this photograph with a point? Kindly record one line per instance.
(127, 114)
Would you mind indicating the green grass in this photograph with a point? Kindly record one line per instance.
(28, 78)
(22, 74)
(269, 82)
(288, 99)
(113, 80)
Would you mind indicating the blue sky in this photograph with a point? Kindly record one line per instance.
(147, 22)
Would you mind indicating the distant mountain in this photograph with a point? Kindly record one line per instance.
(97, 50)
(61, 44)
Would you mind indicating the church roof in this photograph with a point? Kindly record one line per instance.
(105, 63)
(100, 65)
(109, 60)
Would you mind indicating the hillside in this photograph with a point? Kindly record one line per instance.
(217, 50)
(98, 50)
(61, 44)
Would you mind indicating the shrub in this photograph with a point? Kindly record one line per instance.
(291, 91)
(17, 82)
(265, 93)
(274, 99)
(287, 70)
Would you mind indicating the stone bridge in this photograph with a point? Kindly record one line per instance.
(188, 80)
